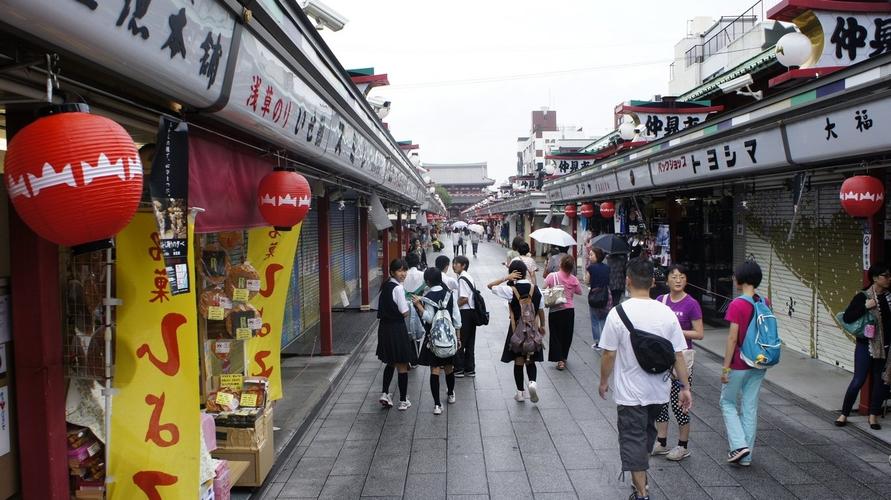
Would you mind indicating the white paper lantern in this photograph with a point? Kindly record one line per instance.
(627, 131)
(793, 49)
(550, 169)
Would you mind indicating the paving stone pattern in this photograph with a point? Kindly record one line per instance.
(565, 446)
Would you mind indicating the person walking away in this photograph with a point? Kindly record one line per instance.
(553, 264)
(740, 381)
(561, 317)
(466, 364)
(456, 241)
(514, 252)
(617, 263)
(516, 289)
(531, 266)
(870, 353)
(639, 395)
(439, 294)
(597, 277)
(689, 315)
(465, 237)
(474, 242)
(395, 347)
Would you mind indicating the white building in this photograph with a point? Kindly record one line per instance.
(544, 137)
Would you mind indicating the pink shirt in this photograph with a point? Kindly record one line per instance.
(571, 287)
(740, 312)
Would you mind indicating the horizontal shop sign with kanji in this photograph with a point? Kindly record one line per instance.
(180, 46)
(852, 38)
(849, 132)
(584, 188)
(637, 177)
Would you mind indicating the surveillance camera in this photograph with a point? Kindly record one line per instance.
(736, 84)
(324, 16)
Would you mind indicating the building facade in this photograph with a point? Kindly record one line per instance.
(466, 183)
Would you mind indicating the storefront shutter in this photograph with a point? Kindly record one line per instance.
(338, 283)
(351, 254)
(303, 294)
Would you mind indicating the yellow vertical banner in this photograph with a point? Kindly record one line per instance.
(272, 253)
(155, 423)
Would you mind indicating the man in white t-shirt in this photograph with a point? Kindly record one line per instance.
(639, 395)
(465, 363)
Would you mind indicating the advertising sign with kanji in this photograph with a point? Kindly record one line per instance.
(850, 38)
(155, 424)
(169, 186)
(272, 253)
(846, 132)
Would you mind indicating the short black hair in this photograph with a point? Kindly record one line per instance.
(681, 268)
(877, 270)
(640, 272)
(460, 259)
(523, 248)
(413, 260)
(442, 262)
(519, 266)
(515, 244)
(397, 265)
(433, 276)
(749, 273)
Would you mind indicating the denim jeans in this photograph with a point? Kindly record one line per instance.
(741, 421)
(596, 326)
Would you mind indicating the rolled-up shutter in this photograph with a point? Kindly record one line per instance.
(351, 254)
(336, 241)
(302, 313)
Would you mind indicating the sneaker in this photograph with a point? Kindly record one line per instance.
(659, 449)
(437, 410)
(451, 398)
(737, 455)
(459, 373)
(678, 453)
(519, 397)
(533, 392)
(404, 405)
(744, 463)
(635, 497)
(470, 373)
(385, 400)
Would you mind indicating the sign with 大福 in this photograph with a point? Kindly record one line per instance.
(847, 132)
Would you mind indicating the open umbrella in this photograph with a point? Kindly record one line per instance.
(610, 243)
(553, 236)
(476, 228)
(459, 225)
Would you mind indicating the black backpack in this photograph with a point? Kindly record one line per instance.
(654, 354)
(479, 305)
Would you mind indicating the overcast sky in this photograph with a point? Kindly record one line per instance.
(465, 75)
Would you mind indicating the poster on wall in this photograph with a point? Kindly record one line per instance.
(663, 244)
(866, 244)
(4, 421)
(169, 187)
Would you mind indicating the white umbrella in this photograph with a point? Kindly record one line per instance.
(459, 225)
(476, 228)
(553, 236)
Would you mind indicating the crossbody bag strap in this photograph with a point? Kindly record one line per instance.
(472, 288)
(624, 318)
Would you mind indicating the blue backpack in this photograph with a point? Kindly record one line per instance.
(761, 347)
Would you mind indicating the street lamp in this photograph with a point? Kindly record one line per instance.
(793, 49)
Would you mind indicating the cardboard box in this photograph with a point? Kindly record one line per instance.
(247, 438)
(259, 460)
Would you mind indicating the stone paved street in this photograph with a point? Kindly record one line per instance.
(489, 446)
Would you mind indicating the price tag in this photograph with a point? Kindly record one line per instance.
(243, 334)
(225, 303)
(215, 312)
(225, 399)
(241, 295)
(253, 285)
(255, 323)
(248, 399)
(232, 381)
(221, 347)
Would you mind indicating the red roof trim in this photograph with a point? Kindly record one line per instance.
(409, 146)
(787, 10)
(374, 80)
(669, 111)
(803, 74)
(570, 157)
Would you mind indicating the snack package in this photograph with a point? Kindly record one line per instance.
(254, 392)
(230, 240)
(214, 263)
(242, 282)
(222, 399)
(213, 304)
(243, 321)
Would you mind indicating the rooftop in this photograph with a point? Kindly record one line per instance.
(459, 173)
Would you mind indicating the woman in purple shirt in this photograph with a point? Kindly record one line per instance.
(689, 315)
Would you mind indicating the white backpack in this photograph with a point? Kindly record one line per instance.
(443, 340)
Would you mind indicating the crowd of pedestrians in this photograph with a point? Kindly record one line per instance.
(429, 317)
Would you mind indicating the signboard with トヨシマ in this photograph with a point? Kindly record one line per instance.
(758, 151)
(852, 131)
(850, 38)
(178, 46)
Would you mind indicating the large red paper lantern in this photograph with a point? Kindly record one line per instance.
(569, 211)
(74, 177)
(284, 199)
(862, 195)
(607, 209)
(587, 210)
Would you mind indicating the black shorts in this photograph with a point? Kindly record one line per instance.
(637, 435)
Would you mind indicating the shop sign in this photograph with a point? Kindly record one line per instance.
(852, 131)
(155, 425)
(594, 187)
(272, 252)
(180, 46)
(654, 126)
(850, 38)
(758, 151)
(634, 178)
(269, 99)
(569, 166)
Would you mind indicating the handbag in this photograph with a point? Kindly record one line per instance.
(858, 326)
(555, 295)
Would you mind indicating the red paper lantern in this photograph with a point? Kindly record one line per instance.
(569, 211)
(862, 195)
(587, 210)
(74, 177)
(607, 209)
(284, 198)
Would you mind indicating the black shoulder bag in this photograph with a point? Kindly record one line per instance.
(654, 354)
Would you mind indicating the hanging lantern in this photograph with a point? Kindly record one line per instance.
(862, 195)
(607, 210)
(569, 211)
(587, 210)
(283, 198)
(73, 177)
